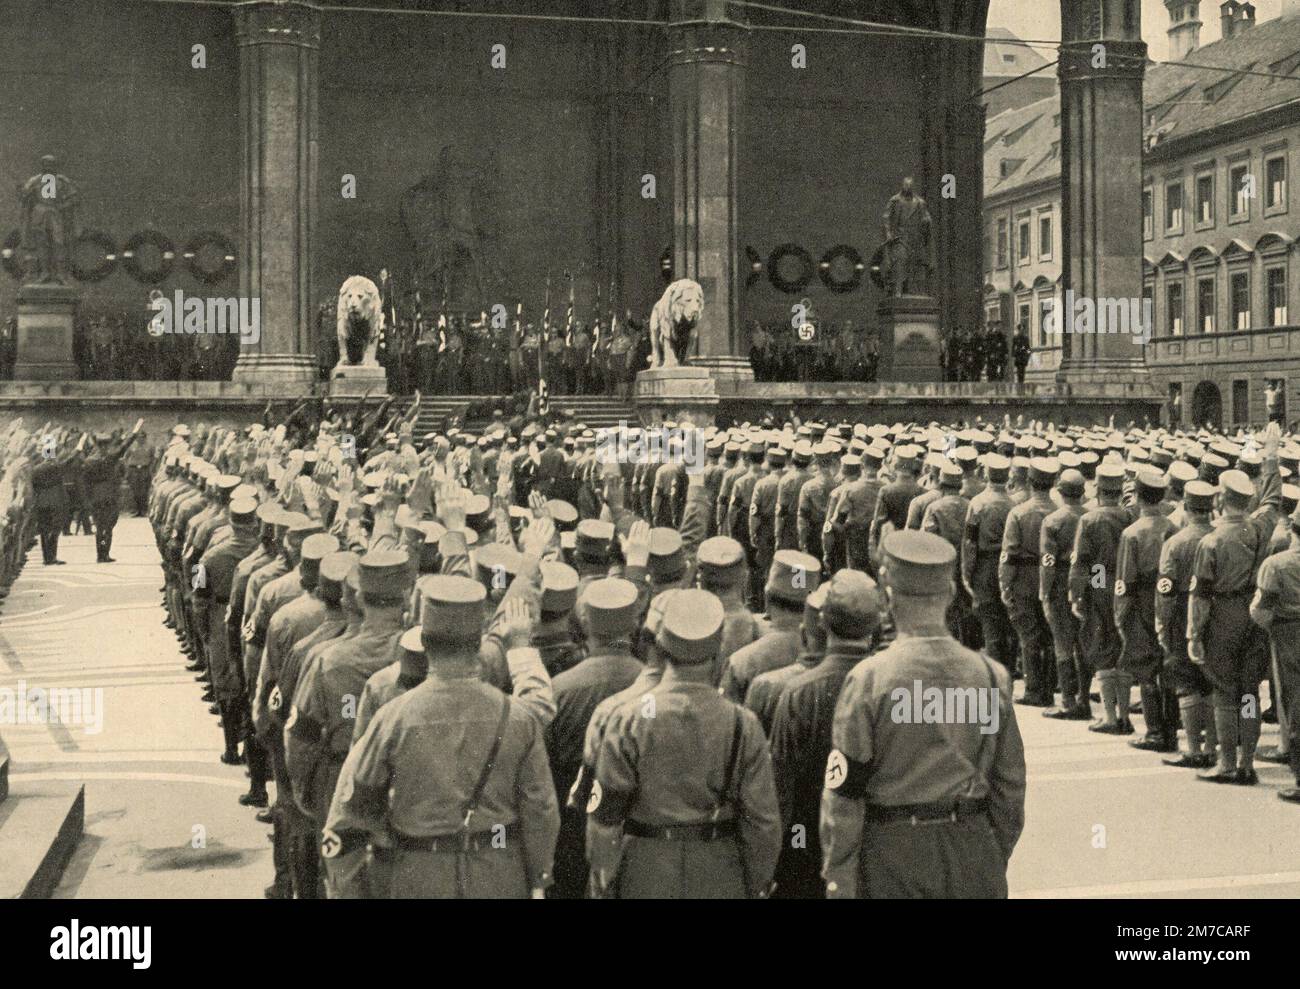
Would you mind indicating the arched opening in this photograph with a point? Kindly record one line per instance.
(1207, 404)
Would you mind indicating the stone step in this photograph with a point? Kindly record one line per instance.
(41, 825)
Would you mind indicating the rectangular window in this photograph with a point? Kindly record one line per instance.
(1024, 234)
(1275, 179)
(1148, 213)
(1174, 305)
(1045, 309)
(1002, 243)
(1045, 237)
(1205, 305)
(1205, 200)
(1276, 296)
(1022, 318)
(1240, 401)
(1174, 207)
(1239, 287)
(1239, 190)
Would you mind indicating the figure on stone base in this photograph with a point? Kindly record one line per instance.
(906, 270)
(48, 206)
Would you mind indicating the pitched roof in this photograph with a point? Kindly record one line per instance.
(1180, 100)
(1007, 55)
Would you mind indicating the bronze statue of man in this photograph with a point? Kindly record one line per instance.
(907, 242)
(48, 203)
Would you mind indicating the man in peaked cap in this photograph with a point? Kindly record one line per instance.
(103, 477)
(946, 517)
(1055, 544)
(1276, 608)
(852, 510)
(681, 819)
(1137, 566)
(981, 549)
(609, 612)
(791, 578)
(1173, 590)
(814, 499)
(787, 496)
(1092, 572)
(902, 815)
(721, 569)
(850, 617)
(742, 493)
(319, 728)
(489, 833)
(762, 509)
(1231, 649)
(765, 691)
(1018, 579)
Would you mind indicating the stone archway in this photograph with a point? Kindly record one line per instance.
(1207, 404)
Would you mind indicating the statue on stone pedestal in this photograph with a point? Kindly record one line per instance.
(907, 243)
(48, 203)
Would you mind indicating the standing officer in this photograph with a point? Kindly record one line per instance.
(1018, 579)
(850, 613)
(102, 472)
(139, 466)
(791, 578)
(855, 508)
(1276, 608)
(980, 549)
(921, 809)
(683, 804)
(814, 500)
(946, 517)
(1056, 543)
(1137, 565)
(762, 511)
(1173, 589)
(50, 497)
(449, 786)
(787, 496)
(1092, 569)
(1221, 637)
(896, 497)
(742, 493)
(609, 615)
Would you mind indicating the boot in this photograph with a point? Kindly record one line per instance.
(1227, 728)
(231, 756)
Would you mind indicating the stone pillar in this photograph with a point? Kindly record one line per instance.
(706, 79)
(279, 43)
(1103, 59)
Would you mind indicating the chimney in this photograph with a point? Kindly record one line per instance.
(1228, 18)
(1245, 17)
(1184, 27)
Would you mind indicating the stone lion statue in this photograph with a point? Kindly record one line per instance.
(672, 320)
(360, 320)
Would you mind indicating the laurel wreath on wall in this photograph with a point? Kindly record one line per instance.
(804, 272)
(166, 256)
(194, 251)
(99, 245)
(829, 267)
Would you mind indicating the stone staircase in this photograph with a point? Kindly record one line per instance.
(41, 824)
(595, 411)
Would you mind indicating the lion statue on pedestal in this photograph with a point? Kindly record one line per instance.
(672, 320)
(360, 321)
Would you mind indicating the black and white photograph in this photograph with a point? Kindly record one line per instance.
(649, 450)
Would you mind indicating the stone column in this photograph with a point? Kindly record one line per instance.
(279, 43)
(1103, 59)
(706, 79)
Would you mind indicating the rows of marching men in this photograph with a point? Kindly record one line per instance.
(510, 664)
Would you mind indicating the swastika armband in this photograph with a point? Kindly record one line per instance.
(607, 808)
(1164, 586)
(1120, 588)
(336, 843)
(845, 776)
(1048, 560)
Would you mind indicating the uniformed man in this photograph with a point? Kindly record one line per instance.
(683, 804)
(980, 549)
(1092, 572)
(765, 692)
(921, 807)
(896, 496)
(815, 497)
(50, 497)
(1173, 590)
(1018, 580)
(609, 613)
(742, 493)
(1230, 648)
(791, 578)
(787, 495)
(448, 793)
(102, 474)
(1137, 565)
(762, 512)
(946, 517)
(855, 508)
(1056, 543)
(1276, 608)
(721, 569)
(850, 616)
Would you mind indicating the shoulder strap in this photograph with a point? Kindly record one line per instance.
(472, 804)
(725, 797)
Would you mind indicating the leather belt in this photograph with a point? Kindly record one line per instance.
(474, 841)
(682, 832)
(950, 810)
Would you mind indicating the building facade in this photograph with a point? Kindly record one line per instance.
(1220, 221)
